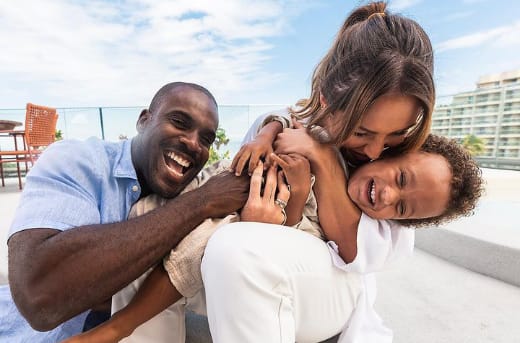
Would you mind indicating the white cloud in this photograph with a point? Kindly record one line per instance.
(120, 52)
(500, 36)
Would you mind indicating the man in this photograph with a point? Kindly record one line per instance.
(71, 247)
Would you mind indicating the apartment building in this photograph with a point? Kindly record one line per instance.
(491, 112)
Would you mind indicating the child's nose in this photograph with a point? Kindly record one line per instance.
(389, 196)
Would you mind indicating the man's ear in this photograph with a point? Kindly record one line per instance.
(144, 117)
(323, 101)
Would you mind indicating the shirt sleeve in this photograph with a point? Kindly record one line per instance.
(62, 189)
(380, 243)
(281, 116)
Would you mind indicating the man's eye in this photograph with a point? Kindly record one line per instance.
(178, 123)
(206, 141)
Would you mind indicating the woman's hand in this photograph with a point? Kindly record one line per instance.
(265, 205)
(297, 171)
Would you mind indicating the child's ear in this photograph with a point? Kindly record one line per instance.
(144, 117)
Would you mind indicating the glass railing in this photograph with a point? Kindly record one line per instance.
(113, 123)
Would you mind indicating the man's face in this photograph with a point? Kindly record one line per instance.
(411, 186)
(175, 140)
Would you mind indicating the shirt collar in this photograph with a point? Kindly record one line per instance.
(124, 168)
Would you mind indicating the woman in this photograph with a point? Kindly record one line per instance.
(372, 92)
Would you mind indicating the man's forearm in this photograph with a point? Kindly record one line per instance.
(56, 275)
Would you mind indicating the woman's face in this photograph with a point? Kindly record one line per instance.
(386, 123)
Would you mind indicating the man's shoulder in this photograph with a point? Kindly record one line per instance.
(91, 148)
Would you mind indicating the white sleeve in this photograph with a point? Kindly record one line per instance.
(282, 115)
(379, 243)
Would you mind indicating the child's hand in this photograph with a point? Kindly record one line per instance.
(297, 171)
(296, 140)
(258, 149)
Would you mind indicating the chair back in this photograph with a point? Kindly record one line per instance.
(40, 125)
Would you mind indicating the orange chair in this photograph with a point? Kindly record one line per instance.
(40, 128)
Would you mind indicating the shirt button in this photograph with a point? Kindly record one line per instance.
(135, 188)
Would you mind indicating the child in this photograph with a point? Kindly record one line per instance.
(436, 184)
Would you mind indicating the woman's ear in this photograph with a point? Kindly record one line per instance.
(144, 117)
(323, 101)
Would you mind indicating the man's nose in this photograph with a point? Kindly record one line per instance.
(375, 148)
(191, 140)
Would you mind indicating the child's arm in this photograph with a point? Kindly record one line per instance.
(155, 295)
(297, 172)
(260, 147)
(338, 215)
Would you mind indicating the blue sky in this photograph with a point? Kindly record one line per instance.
(68, 53)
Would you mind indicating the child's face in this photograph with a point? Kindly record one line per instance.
(412, 186)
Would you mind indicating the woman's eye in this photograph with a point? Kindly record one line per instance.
(360, 134)
(401, 133)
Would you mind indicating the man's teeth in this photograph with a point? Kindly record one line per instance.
(178, 159)
(373, 193)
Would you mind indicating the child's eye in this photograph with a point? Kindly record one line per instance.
(402, 179)
(401, 209)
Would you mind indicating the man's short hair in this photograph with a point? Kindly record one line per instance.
(167, 89)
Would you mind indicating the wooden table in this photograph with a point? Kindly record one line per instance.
(6, 125)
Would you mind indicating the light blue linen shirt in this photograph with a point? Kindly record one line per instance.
(74, 183)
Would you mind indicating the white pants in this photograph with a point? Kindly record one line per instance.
(263, 283)
(267, 283)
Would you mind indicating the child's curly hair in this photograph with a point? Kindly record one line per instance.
(466, 181)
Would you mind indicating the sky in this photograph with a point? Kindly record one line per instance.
(72, 53)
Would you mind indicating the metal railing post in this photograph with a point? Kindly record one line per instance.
(101, 122)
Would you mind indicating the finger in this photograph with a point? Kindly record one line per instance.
(270, 185)
(255, 186)
(283, 189)
(253, 162)
(278, 159)
(241, 163)
(235, 159)
(296, 124)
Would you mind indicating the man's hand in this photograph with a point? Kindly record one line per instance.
(225, 193)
